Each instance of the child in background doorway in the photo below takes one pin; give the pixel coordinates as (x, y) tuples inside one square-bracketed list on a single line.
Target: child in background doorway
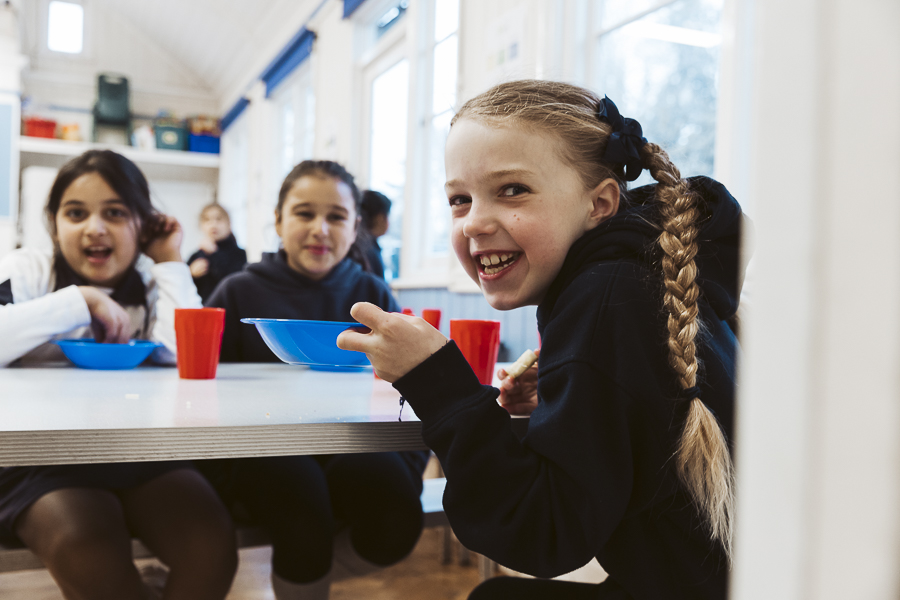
[(116, 274), (371, 501), (219, 255), (627, 453)]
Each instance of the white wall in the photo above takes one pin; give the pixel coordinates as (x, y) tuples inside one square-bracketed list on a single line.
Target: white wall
[(818, 456), (157, 79)]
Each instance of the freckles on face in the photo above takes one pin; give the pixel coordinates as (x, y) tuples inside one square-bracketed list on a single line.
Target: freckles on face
[(96, 231), (517, 208)]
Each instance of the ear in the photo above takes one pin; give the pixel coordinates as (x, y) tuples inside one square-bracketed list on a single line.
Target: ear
[(604, 201), (278, 222)]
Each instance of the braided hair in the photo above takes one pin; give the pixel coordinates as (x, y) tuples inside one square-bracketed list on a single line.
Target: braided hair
[(577, 117)]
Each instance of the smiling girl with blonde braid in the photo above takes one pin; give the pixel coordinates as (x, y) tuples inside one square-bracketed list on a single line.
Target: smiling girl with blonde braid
[(627, 454)]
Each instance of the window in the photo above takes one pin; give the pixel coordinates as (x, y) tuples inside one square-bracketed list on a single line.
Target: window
[(427, 248), (389, 93), (293, 127), (65, 27), (659, 62)]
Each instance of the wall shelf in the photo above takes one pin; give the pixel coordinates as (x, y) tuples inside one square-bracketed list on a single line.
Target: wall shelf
[(163, 164)]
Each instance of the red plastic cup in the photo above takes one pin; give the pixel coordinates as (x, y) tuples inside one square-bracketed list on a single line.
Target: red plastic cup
[(409, 311), (198, 334), (479, 342), (433, 316)]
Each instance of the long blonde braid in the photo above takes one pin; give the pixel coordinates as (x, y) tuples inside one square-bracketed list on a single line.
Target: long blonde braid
[(703, 460), (702, 457)]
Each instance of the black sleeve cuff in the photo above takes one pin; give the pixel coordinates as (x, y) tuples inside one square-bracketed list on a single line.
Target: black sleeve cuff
[(441, 383)]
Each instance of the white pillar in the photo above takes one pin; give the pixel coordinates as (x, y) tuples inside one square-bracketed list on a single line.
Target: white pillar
[(818, 451)]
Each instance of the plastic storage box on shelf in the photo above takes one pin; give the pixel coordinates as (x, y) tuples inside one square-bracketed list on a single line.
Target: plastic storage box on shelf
[(170, 137), (203, 143), (37, 127)]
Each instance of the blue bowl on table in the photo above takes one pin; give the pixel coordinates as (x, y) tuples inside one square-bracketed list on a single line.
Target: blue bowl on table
[(312, 343), (89, 354)]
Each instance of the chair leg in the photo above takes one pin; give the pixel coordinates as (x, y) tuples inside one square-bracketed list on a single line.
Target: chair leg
[(486, 567), (447, 553)]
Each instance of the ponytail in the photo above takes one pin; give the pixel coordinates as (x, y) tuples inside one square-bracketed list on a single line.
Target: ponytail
[(702, 458)]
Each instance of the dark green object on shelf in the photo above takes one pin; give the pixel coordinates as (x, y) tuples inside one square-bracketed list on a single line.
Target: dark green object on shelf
[(113, 106), (171, 137)]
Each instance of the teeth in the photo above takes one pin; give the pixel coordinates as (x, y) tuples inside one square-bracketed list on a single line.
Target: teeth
[(494, 259)]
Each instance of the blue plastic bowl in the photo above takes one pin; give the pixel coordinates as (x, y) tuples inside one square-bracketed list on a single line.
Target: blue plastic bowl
[(312, 343), (88, 354)]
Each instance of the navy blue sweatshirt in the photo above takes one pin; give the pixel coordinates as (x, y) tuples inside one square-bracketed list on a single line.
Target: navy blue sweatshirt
[(227, 259), (593, 475), (270, 289)]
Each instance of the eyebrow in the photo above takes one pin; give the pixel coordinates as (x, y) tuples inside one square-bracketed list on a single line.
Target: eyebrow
[(110, 201), (310, 204), (493, 175)]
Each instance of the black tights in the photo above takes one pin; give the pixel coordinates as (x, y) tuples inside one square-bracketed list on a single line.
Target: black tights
[(303, 500), (83, 536)]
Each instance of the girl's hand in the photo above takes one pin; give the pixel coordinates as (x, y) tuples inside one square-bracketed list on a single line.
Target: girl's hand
[(396, 343), (208, 245), (519, 396), (199, 268), (109, 321), (164, 240)]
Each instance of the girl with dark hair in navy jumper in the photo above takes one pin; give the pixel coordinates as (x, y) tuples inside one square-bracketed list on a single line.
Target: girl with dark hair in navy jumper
[(371, 501)]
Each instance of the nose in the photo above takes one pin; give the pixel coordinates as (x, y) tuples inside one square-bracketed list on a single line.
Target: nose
[(320, 227), (479, 221), (96, 226)]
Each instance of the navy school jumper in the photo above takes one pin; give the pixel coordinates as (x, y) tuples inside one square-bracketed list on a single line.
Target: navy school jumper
[(594, 476)]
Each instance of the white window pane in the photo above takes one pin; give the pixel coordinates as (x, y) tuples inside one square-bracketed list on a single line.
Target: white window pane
[(663, 71), (446, 18), (65, 27), (387, 168), (438, 213), (445, 71)]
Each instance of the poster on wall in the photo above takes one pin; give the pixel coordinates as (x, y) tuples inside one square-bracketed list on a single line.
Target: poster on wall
[(504, 48)]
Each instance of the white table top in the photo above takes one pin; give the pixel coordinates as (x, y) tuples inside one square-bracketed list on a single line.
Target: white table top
[(59, 414)]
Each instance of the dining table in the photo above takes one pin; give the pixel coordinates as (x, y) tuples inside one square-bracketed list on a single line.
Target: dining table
[(60, 414)]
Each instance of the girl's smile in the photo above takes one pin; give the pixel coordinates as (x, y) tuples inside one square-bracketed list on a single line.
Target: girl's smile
[(517, 208)]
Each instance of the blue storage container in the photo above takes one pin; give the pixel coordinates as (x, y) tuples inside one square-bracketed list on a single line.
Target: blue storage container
[(203, 143)]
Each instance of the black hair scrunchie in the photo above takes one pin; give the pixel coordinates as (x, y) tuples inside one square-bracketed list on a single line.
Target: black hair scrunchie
[(625, 142)]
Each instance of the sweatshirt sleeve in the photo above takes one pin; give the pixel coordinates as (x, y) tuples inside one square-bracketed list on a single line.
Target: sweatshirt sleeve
[(26, 325), (545, 504), (223, 297), (175, 289)]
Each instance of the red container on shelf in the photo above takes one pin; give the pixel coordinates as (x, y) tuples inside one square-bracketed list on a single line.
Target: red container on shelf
[(37, 127)]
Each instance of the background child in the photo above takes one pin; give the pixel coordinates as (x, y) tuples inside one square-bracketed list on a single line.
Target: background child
[(304, 500), (219, 255), (79, 519), (375, 211), (623, 459)]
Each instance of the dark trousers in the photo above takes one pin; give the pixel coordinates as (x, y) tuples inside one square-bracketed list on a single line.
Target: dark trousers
[(302, 501)]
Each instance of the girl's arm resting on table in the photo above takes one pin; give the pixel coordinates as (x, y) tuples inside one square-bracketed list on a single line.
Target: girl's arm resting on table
[(26, 325), (543, 505), (175, 290)]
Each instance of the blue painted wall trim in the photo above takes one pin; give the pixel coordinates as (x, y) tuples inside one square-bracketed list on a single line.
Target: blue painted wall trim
[(6, 145), (350, 6), (290, 57), (234, 112)]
